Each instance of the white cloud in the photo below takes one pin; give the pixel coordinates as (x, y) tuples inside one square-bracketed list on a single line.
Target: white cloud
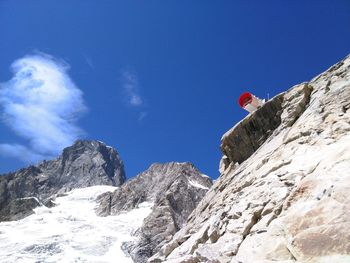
[(142, 115), (89, 61), (40, 104), (131, 88), (133, 98), (20, 152)]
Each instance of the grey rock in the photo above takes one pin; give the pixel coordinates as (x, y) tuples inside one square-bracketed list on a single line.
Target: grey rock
[(20, 208), (281, 112), (283, 192), (83, 164), (174, 188), (240, 142)]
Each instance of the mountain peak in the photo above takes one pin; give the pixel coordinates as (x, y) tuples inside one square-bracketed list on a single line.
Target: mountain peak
[(85, 163), (174, 188), (81, 146), (172, 167)]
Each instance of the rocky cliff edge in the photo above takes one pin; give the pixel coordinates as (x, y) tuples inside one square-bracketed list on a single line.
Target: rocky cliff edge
[(283, 193)]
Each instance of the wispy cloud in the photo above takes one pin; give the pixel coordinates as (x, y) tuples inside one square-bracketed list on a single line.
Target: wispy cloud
[(20, 152), (131, 88), (41, 104), (88, 61), (133, 97), (142, 115)]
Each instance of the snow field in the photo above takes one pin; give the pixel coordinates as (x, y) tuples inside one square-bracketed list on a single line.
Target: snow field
[(71, 231)]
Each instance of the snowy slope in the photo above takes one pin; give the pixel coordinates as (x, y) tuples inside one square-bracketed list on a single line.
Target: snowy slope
[(71, 231), (174, 188)]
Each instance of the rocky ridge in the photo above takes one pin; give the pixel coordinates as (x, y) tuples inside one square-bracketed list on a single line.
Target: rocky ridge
[(86, 163), (283, 191), (174, 188)]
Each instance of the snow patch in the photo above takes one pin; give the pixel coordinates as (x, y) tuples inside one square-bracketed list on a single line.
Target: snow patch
[(197, 185), (204, 175), (107, 146), (71, 231), (28, 198)]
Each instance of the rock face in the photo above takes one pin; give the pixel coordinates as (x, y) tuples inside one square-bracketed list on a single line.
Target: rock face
[(86, 163), (283, 193), (174, 188)]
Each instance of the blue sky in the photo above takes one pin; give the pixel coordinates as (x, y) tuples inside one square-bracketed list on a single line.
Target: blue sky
[(157, 80)]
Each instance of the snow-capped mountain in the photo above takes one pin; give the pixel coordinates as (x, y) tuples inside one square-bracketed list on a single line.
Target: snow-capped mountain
[(70, 210), (86, 163)]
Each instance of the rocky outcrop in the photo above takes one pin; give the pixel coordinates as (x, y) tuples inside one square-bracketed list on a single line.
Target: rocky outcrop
[(174, 188), (86, 163), (283, 193), (249, 134), (240, 142)]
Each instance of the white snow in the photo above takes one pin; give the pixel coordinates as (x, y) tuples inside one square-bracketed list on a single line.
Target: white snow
[(30, 197), (197, 185), (110, 147), (71, 231), (204, 175)]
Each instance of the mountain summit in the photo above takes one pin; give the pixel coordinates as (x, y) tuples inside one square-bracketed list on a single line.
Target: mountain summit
[(85, 163)]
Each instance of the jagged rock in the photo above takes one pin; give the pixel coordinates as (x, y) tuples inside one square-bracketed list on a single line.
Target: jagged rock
[(83, 164), (249, 134), (283, 193), (174, 188), (20, 208)]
